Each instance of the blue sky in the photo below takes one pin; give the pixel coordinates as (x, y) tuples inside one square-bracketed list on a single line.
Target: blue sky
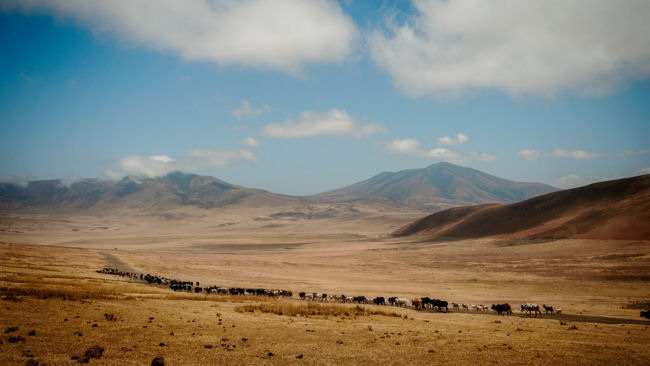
[(302, 97)]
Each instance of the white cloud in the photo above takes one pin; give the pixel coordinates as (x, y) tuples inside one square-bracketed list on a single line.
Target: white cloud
[(250, 142), (574, 180), (402, 146), (561, 153), (577, 154), (529, 154), (246, 110), (412, 147), (21, 180), (644, 170), (193, 161), (538, 46), (459, 139), (336, 122), (278, 34)]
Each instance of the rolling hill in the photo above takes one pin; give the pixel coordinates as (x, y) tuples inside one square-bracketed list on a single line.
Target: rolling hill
[(436, 187), (617, 209)]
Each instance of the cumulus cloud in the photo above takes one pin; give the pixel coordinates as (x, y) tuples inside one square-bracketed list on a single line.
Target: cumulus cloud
[(278, 34), (412, 147), (459, 139), (574, 180), (193, 161), (644, 170), (250, 142), (540, 46), (336, 122), (21, 180), (529, 154), (246, 110)]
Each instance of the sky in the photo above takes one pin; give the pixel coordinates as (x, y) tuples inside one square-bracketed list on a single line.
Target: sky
[(304, 96)]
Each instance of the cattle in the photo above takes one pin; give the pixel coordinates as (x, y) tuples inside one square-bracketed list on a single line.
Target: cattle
[(417, 303), (392, 301), (379, 301), (502, 308), (198, 289), (403, 302), (464, 307), (339, 298), (360, 299), (428, 303), (548, 309), (455, 306), (302, 295), (645, 314), (530, 309)]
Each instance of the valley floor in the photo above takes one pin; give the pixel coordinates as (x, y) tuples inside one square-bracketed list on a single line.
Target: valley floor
[(56, 292)]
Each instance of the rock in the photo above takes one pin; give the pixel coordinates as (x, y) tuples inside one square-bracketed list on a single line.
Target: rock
[(31, 333), (299, 356), (11, 330), (339, 342), (158, 361), (110, 317), (161, 344), (31, 362), (94, 352), (27, 353), (16, 339), (208, 346), (94, 325), (270, 354)]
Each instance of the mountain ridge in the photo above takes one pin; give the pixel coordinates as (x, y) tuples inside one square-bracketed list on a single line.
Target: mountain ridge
[(615, 209)]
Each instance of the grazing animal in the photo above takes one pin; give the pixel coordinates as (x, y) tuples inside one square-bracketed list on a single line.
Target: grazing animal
[(360, 299), (403, 302), (302, 295), (464, 307), (530, 309), (392, 301), (558, 311), (455, 306), (417, 303), (645, 314), (379, 300), (548, 309), (502, 308)]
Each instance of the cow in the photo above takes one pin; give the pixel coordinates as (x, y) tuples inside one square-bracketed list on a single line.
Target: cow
[(464, 307), (417, 303), (379, 301), (530, 309), (548, 309), (403, 302), (502, 308), (645, 314), (392, 301), (360, 299), (302, 295), (455, 306)]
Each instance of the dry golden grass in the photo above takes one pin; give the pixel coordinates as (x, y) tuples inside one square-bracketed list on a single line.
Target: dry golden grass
[(312, 309)]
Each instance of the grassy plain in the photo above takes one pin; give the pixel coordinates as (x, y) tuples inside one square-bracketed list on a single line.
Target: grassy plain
[(49, 269)]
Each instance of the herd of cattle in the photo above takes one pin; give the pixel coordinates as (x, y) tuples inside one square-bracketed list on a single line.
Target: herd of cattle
[(424, 303)]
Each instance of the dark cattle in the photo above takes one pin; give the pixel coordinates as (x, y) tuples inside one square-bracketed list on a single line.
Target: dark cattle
[(379, 301), (645, 314), (302, 295), (360, 299), (548, 309), (392, 300), (198, 289), (502, 308)]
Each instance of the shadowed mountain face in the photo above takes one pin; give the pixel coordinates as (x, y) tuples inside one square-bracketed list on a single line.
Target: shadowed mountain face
[(439, 186), (174, 189), (617, 209)]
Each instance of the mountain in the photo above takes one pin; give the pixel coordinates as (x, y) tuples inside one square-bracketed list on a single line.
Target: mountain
[(617, 209), (436, 187), (172, 190)]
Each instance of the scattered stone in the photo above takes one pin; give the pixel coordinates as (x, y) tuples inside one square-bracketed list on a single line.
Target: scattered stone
[(94, 325), (339, 342), (208, 346), (11, 298), (27, 353), (16, 339), (270, 354), (31, 333), (397, 343), (31, 362), (110, 317), (244, 339), (171, 333), (92, 352), (78, 333), (126, 349), (158, 361), (11, 330), (573, 327), (299, 356), (431, 351), (161, 344)]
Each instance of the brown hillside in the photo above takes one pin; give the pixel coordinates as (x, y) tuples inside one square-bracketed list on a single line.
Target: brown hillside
[(617, 209)]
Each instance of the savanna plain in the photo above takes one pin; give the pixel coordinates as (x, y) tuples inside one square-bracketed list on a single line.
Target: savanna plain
[(54, 305)]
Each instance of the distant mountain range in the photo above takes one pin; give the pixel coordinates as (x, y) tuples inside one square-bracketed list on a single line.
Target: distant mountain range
[(617, 209), (436, 187), (431, 189)]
